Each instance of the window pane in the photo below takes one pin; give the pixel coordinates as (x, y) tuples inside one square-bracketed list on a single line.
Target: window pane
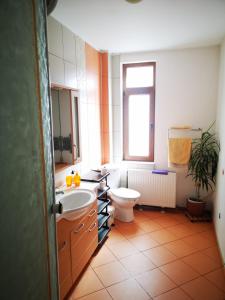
[(139, 77), (138, 124)]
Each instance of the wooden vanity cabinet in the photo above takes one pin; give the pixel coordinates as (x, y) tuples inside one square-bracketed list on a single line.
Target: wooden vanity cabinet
[(77, 240)]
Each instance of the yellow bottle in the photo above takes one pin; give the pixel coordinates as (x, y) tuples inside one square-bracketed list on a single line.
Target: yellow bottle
[(77, 179), (68, 180)]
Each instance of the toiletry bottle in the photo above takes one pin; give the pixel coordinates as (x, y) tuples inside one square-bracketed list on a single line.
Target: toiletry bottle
[(77, 179), (72, 174), (68, 180)]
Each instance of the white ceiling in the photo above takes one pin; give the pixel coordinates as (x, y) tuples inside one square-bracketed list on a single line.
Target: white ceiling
[(118, 27)]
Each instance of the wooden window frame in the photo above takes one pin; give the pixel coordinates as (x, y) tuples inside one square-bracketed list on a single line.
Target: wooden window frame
[(138, 91)]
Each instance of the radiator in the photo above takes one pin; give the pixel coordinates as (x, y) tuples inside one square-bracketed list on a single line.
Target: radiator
[(155, 189)]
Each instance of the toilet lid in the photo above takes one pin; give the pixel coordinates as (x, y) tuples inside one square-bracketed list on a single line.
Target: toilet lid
[(125, 193)]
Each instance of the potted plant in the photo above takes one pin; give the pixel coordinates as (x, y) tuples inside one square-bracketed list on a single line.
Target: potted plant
[(202, 168)]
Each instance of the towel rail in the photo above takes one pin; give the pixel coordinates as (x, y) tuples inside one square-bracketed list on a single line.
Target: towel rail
[(187, 131)]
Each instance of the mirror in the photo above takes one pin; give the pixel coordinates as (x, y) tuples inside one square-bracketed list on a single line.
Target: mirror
[(66, 131)]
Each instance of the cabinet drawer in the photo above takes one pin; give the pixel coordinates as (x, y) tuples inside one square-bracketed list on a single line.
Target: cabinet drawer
[(80, 228), (84, 260), (64, 287), (64, 259), (92, 216), (79, 250)]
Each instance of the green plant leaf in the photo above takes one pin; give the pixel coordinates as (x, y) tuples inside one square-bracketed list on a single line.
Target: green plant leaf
[(203, 162)]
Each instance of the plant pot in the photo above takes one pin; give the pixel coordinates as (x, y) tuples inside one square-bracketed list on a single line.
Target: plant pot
[(195, 207)]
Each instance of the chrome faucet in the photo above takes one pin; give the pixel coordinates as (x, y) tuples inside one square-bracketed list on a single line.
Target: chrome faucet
[(59, 192)]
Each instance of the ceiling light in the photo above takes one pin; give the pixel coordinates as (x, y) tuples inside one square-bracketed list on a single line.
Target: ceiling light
[(133, 1)]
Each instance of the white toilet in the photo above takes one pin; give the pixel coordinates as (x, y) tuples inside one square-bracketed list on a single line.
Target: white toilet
[(123, 199)]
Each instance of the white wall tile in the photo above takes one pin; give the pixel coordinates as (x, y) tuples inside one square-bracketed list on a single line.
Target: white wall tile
[(117, 126), (80, 59), (117, 144), (81, 85), (116, 92), (70, 75), (69, 50), (56, 67), (55, 41), (116, 66)]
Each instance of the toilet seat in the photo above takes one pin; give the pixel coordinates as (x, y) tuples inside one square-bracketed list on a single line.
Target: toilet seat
[(125, 194)]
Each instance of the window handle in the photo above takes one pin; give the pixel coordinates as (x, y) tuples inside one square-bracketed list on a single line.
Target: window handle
[(151, 125)]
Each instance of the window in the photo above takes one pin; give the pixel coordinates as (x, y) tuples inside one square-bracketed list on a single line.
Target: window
[(138, 111)]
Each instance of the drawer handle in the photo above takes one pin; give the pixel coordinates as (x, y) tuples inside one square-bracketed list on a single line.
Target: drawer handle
[(92, 227), (92, 213), (79, 228), (64, 244)]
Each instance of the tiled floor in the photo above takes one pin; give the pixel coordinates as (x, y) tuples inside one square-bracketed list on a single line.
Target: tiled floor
[(158, 256)]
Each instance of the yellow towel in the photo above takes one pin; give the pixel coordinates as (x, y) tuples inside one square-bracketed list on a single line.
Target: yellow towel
[(179, 150), (181, 127)]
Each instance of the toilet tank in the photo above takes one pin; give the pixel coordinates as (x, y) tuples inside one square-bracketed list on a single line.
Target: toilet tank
[(113, 180)]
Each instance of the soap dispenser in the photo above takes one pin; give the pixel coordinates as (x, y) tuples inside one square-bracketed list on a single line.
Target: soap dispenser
[(77, 179), (72, 174)]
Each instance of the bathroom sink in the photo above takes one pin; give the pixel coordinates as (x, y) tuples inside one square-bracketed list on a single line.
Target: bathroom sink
[(75, 204)]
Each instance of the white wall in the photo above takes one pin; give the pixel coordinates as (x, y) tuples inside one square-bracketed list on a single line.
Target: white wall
[(67, 62), (219, 201), (186, 93)]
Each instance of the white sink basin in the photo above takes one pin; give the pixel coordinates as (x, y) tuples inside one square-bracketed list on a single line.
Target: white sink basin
[(75, 204)]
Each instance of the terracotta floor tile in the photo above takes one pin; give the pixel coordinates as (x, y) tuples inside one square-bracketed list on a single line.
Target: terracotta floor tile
[(175, 251), (218, 278), (143, 242), (199, 227), (89, 283), (167, 221), (162, 236), (202, 289), (155, 282), (128, 289), (122, 249), (160, 255), (114, 237), (213, 252), (139, 217), (179, 272), (118, 222), (175, 294), (111, 273), (201, 263), (130, 230), (180, 248), (153, 214), (210, 235), (180, 216), (149, 226), (137, 263), (180, 230), (100, 295), (197, 241), (103, 256)]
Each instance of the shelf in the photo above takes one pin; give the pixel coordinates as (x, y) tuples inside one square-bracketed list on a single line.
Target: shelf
[(102, 205), (102, 192), (94, 176), (102, 233), (102, 219)]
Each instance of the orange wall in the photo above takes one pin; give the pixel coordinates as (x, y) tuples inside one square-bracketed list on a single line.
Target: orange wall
[(104, 105), (97, 93), (92, 74)]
